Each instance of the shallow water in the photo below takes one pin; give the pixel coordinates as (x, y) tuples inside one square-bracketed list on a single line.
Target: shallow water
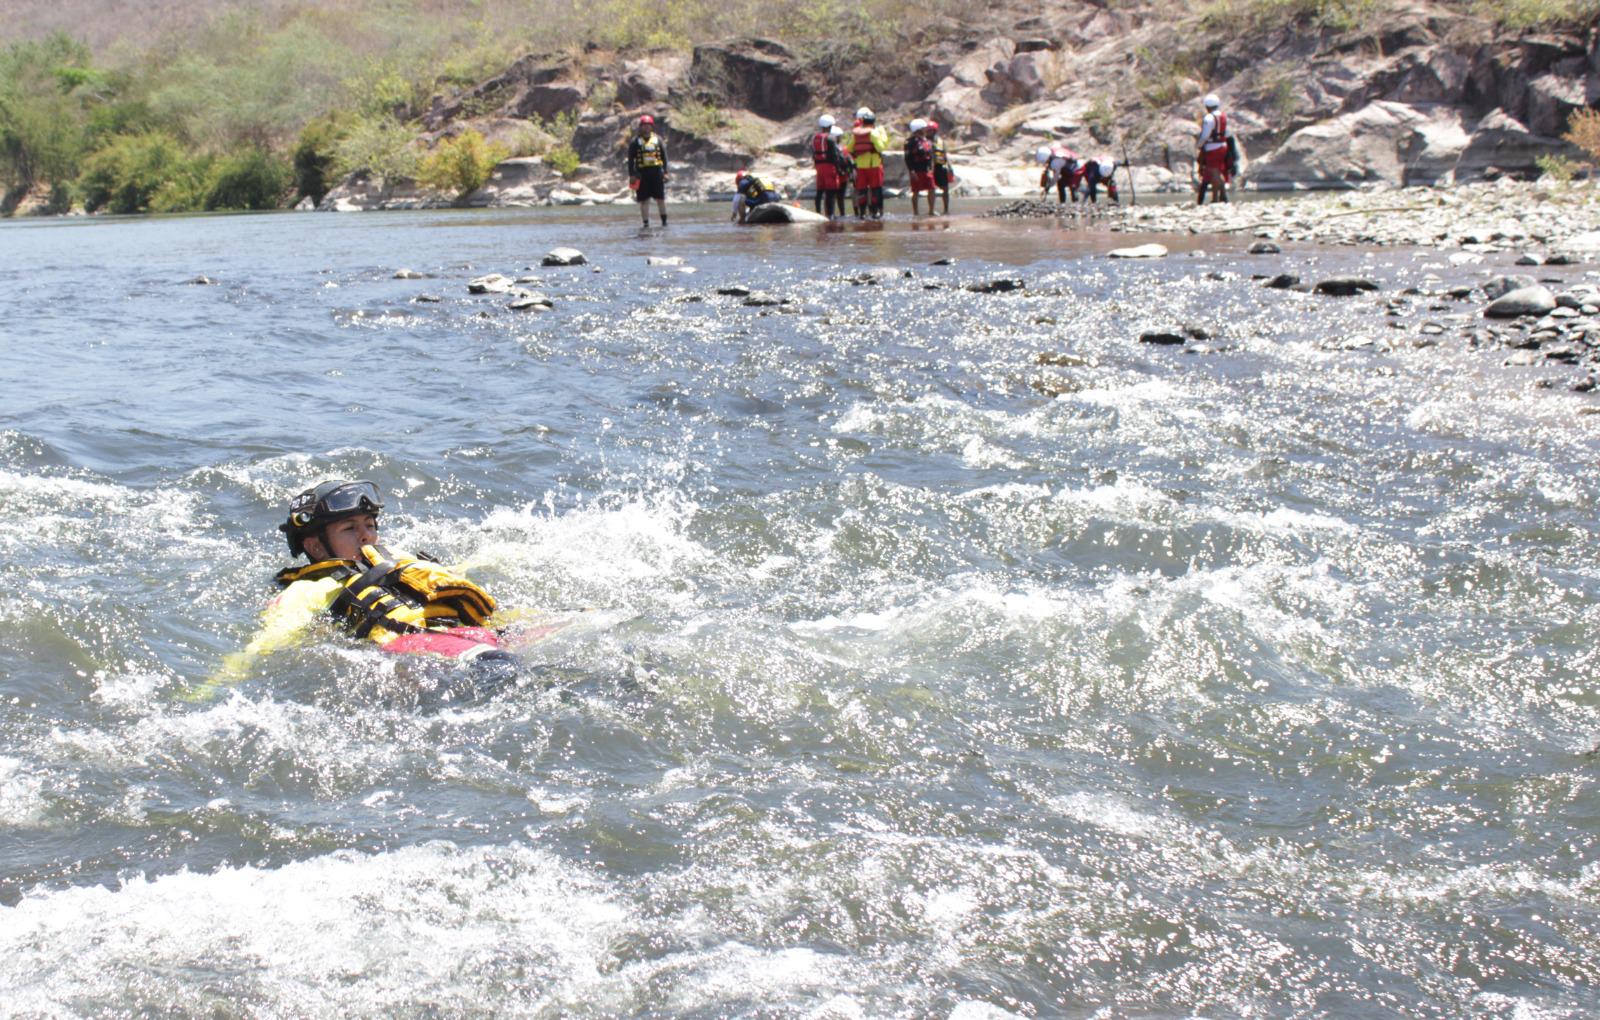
[(987, 662)]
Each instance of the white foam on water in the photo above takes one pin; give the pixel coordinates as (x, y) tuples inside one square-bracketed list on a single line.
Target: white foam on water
[(641, 543), (22, 800), (1011, 490), (972, 1009), (1136, 395), (876, 622), (1479, 883), (340, 935), (1127, 499), (979, 453), (1114, 813), (1283, 520)]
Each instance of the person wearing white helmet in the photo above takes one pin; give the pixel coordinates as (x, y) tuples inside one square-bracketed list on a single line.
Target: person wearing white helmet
[(919, 163), (1097, 172), (1062, 171), (825, 159), (1211, 152), (868, 143)]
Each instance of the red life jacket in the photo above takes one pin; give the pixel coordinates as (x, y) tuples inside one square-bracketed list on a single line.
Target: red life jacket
[(819, 149), (1219, 133)]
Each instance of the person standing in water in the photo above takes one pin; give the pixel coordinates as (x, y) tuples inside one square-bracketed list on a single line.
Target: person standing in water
[(919, 164), (825, 159), (943, 175), (647, 169), (868, 143), (1211, 152)]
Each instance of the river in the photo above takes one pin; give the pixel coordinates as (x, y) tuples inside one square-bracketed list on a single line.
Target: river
[(983, 661)]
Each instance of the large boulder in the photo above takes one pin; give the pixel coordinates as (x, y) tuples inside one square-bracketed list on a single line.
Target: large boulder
[(782, 212), (757, 74), (650, 80), (524, 181), (1500, 141), (1383, 142)]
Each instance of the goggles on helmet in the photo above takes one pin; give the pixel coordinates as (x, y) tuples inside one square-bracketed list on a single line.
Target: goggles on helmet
[(350, 498)]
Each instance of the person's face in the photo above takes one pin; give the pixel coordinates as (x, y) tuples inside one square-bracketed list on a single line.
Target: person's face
[(345, 537)]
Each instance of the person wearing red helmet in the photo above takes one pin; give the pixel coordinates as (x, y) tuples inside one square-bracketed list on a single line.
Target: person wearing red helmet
[(647, 169), (919, 163), (943, 175)]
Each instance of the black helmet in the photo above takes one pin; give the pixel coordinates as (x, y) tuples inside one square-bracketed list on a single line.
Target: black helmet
[(315, 509)]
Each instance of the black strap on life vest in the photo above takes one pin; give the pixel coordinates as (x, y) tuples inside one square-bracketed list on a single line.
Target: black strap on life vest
[(367, 603)]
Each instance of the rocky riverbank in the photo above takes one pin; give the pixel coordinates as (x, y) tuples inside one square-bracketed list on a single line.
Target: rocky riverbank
[(1540, 221)]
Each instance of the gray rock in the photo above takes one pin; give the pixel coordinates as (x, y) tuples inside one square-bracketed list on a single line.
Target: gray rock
[(527, 299), (494, 283), (1529, 259), (999, 285), (1160, 336), (760, 299), (409, 274), (563, 257), (426, 299), (1561, 258), (201, 281), (1264, 248), (1501, 285), (736, 290), (1521, 358), (1344, 286), (1283, 281), (1535, 300), (663, 260)]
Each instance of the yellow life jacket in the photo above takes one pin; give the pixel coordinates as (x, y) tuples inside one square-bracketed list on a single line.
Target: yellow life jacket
[(650, 155), (396, 594), (940, 156), (866, 145)]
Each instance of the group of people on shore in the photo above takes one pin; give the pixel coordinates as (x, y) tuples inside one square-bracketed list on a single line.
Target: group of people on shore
[(853, 160), (849, 165)]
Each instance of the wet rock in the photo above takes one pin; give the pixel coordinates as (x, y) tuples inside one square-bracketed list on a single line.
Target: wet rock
[(1460, 293), (1163, 337), (530, 300), (1061, 359), (663, 260), (1264, 248), (999, 285), (1560, 258), (1283, 281), (563, 257), (201, 281), (1499, 286), (1196, 332), (1523, 358), (1535, 300), (946, 261), (1344, 286), (409, 274), (1141, 251), (1529, 259), (426, 299), (760, 299), (882, 274), (494, 283), (736, 290)]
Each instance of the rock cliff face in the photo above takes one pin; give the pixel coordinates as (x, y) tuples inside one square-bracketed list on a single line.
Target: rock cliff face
[(1425, 96)]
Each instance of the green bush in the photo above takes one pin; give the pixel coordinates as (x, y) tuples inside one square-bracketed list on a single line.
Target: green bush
[(380, 146), (315, 153), (128, 174), (46, 92), (563, 159), (252, 179), (460, 164)]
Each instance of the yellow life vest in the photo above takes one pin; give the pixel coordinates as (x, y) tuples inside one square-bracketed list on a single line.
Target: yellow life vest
[(867, 145), (396, 594), (650, 155)]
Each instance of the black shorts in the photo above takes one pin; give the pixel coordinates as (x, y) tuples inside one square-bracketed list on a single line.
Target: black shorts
[(652, 184), (941, 177)]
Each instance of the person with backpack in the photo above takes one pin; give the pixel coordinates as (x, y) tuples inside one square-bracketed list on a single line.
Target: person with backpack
[(919, 164), (1212, 153)]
